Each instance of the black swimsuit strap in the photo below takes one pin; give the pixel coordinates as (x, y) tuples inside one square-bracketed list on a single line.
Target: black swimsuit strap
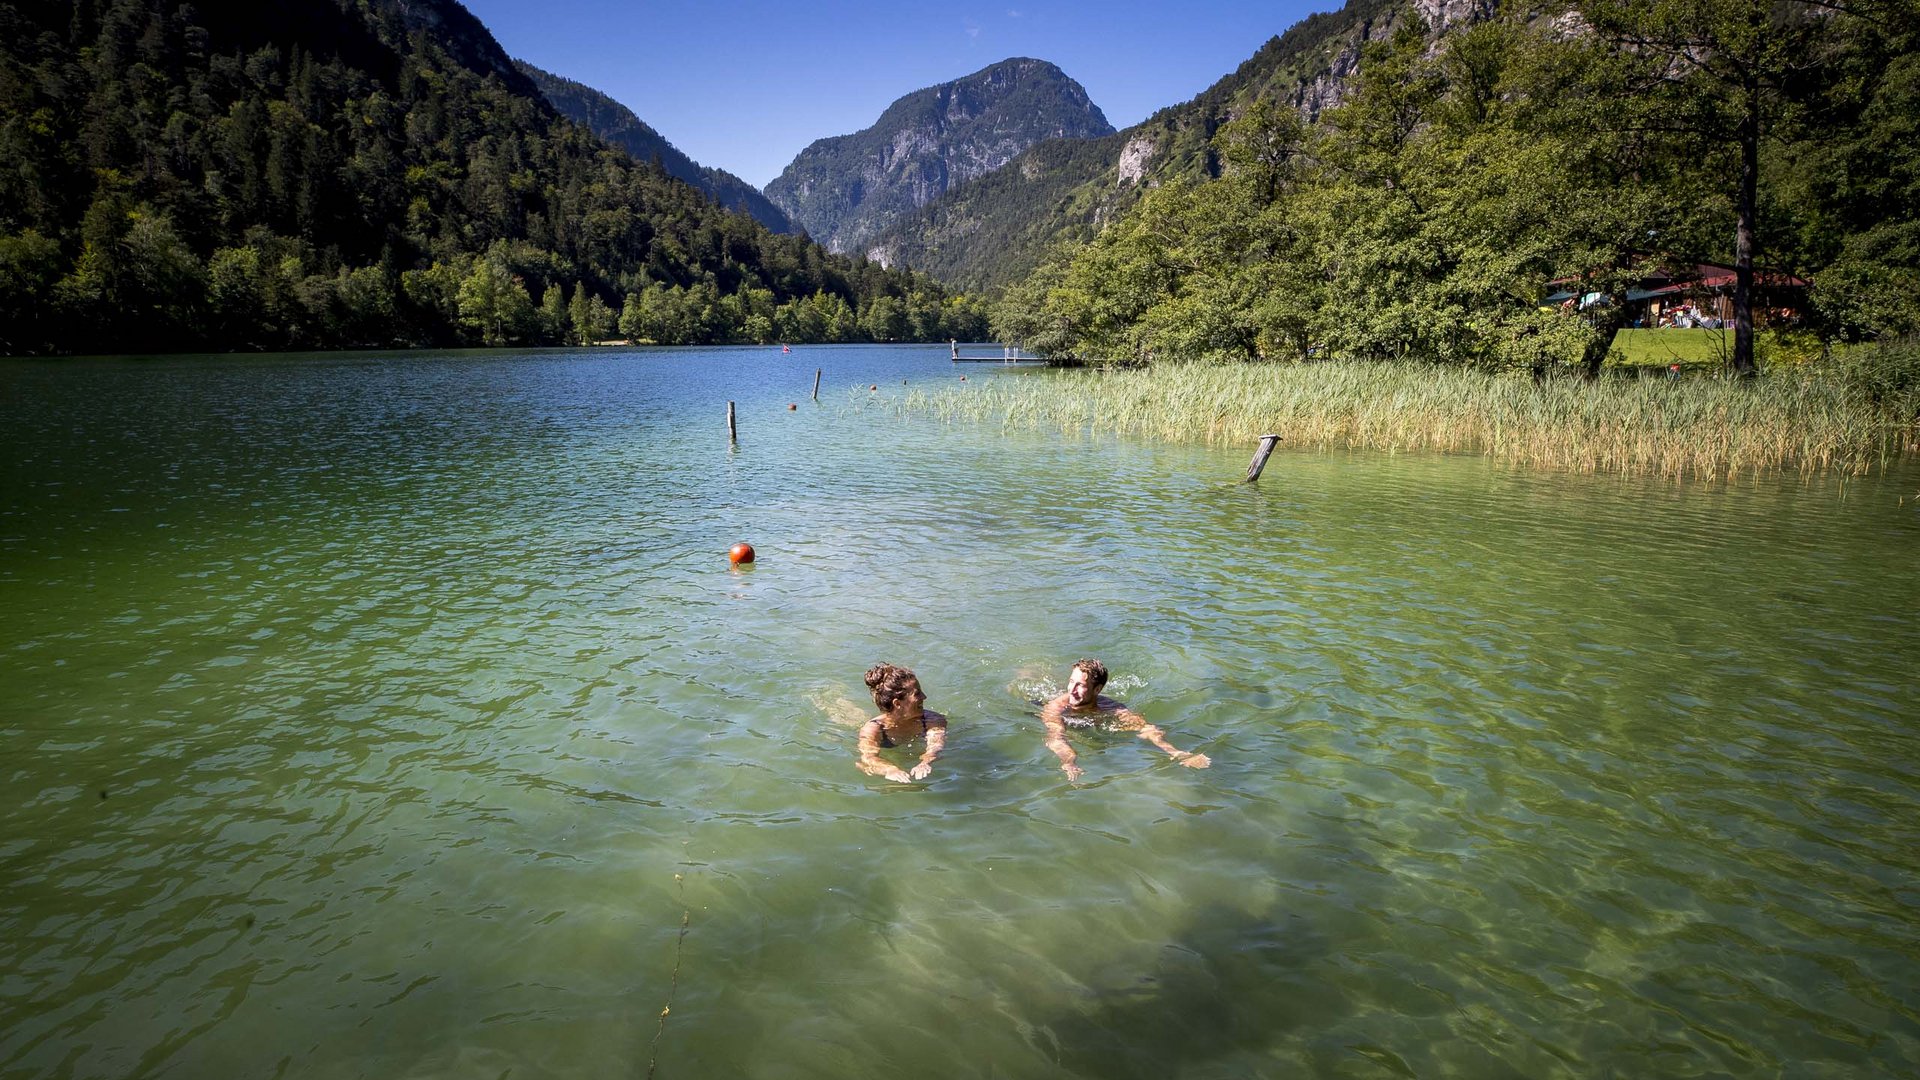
[(886, 740)]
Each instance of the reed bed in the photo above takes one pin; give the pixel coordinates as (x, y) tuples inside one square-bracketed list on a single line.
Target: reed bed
[(1814, 420)]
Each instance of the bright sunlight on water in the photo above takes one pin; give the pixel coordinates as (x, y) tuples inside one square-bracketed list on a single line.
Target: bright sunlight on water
[(401, 716)]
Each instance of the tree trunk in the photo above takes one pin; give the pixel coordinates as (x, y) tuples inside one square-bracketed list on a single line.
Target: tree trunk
[(1607, 326), (1743, 231)]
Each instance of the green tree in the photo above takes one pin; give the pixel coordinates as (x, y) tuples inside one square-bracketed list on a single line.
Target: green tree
[(369, 310), (30, 265), (883, 319), (237, 295), (1728, 71), (556, 324), (432, 301), (592, 319), (631, 319), (493, 303)]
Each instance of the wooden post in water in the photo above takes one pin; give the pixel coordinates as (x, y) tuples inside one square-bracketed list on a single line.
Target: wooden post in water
[(733, 436), (1267, 443), (816, 384)]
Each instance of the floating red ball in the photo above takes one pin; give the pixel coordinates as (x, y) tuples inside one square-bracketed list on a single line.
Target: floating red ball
[(741, 553)]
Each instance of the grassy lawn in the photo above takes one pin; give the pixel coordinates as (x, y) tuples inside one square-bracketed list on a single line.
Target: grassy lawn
[(1695, 349), (1658, 348)]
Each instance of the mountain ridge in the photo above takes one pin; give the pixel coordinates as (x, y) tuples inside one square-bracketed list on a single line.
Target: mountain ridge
[(619, 125), (995, 229), (845, 188)]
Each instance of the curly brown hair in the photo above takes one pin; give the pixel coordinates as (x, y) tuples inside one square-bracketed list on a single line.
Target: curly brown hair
[(1096, 672), (889, 683)]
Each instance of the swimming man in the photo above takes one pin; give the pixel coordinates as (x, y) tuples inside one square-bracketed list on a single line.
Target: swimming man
[(1082, 706)]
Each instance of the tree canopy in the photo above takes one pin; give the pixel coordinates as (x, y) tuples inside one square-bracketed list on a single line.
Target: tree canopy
[(322, 173), (1456, 185)]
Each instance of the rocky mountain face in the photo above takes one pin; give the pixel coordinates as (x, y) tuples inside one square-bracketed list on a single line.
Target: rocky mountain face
[(617, 124), (845, 189), (994, 230)]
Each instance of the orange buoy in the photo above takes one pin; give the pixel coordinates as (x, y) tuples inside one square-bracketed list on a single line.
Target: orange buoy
[(741, 553)]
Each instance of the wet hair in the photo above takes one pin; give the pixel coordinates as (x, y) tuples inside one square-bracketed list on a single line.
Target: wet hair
[(889, 684), (1096, 672)]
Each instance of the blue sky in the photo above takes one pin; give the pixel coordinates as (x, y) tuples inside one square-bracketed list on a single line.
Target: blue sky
[(745, 86)]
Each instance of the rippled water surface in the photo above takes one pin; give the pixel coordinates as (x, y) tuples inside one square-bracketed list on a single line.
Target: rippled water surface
[(401, 716)]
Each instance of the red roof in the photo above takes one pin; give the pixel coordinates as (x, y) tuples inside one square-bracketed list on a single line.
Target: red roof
[(1722, 278), (1704, 276)]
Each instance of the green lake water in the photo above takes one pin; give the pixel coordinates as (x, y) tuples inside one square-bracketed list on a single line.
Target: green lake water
[(401, 716)]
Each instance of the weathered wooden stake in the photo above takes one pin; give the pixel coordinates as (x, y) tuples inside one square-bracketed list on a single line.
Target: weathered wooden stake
[(1267, 443), (733, 436), (816, 384)]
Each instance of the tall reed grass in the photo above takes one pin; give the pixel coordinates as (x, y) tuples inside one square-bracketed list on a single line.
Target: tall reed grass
[(1810, 420)]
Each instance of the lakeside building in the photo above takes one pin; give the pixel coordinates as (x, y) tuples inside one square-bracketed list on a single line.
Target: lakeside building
[(1699, 295)]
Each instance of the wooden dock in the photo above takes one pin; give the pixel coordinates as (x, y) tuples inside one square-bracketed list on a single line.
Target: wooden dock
[(1008, 355)]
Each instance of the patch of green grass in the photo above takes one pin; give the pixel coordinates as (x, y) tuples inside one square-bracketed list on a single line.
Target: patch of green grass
[(1694, 348), (1810, 418)]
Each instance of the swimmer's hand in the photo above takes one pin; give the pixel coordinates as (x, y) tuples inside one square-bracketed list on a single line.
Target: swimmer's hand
[(921, 771), (1191, 760), (1073, 771), (898, 776)]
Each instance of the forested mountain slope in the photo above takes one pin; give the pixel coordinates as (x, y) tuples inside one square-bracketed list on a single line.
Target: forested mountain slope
[(618, 125), (314, 173), (845, 189)]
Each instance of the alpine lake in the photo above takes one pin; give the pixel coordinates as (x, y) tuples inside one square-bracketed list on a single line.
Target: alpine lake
[(401, 715)]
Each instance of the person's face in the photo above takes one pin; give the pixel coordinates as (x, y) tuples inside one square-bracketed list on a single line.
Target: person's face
[(1080, 689), (912, 703)]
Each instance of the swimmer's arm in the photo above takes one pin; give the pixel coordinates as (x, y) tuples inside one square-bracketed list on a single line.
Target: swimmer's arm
[(871, 762), (936, 742), (1057, 737), (1125, 719)]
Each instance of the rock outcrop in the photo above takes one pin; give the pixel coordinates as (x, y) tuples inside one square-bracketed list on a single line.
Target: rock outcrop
[(989, 232), (847, 189)]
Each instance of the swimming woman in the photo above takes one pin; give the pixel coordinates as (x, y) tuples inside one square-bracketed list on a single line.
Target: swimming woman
[(903, 718)]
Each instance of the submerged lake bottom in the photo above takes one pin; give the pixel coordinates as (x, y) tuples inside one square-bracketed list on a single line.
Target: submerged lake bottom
[(402, 715)]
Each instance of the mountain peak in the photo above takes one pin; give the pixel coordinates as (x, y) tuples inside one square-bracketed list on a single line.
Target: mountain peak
[(846, 189)]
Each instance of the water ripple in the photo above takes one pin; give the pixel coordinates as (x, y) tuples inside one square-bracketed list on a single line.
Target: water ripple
[(386, 716)]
